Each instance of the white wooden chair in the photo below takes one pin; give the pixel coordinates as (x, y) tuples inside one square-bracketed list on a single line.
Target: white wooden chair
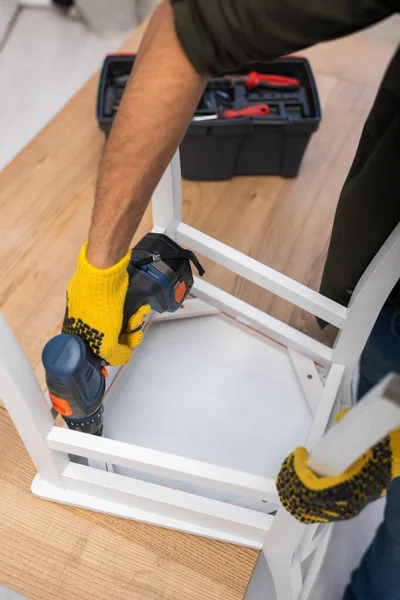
[(196, 427)]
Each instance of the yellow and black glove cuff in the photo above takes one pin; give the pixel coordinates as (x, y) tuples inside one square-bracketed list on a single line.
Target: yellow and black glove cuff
[(313, 499)]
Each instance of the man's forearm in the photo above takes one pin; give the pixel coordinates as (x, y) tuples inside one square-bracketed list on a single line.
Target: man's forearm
[(157, 106)]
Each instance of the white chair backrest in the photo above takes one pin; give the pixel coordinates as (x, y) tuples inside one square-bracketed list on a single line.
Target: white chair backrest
[(367, 300), (355, 322)]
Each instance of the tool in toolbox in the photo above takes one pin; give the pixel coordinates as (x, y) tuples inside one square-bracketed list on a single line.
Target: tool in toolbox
[(115, 92), (160, 275), (254, 79), (215, 148), (254, 110)]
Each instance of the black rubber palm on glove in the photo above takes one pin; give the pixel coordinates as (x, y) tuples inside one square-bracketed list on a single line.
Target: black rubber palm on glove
[(314, 499)]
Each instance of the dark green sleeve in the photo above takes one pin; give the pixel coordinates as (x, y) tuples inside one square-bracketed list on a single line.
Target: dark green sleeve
[(221, 35)]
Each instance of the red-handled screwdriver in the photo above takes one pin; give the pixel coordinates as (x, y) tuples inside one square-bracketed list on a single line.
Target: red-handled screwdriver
[(255, 110), (255, 79)]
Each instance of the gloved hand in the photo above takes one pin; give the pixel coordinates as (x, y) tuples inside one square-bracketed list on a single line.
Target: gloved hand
[(313, 499), (95, 302)]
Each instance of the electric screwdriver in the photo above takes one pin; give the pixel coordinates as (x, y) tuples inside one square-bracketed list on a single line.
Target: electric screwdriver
[(160, 275)]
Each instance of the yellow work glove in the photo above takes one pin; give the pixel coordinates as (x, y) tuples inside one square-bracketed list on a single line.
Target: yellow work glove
[(314, 499), (95, 303)]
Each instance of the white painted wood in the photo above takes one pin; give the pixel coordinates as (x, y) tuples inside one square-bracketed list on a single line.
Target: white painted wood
[(260, 321), (362, 427), (96, 502), (326, 404), (264, 276), (286, 545), (191, 308), (288, 540), (339, 448), (320, 547), (161, 463), (308, 377), (170, 503), (311, 539), (280, 551), (305, 542), (258, 505), (367, 301), (284, 571), (166, 202), (27, 407), (224, 399), (157, 229)]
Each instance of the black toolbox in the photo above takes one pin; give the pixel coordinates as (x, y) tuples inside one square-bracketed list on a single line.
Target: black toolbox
[(218, 148)]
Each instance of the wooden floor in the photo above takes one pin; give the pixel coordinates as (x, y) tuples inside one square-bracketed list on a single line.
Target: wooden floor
[(49, 551)]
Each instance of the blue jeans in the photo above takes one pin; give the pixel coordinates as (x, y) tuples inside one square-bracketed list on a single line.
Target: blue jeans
[(378, 576)]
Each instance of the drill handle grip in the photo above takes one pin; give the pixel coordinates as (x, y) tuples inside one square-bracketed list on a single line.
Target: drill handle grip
[(135, 298)]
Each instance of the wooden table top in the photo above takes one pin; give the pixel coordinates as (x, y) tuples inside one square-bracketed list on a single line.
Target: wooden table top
[(46, 194)]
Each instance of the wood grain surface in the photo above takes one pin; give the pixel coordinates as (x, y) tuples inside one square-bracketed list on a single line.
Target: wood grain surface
[(49, 551)]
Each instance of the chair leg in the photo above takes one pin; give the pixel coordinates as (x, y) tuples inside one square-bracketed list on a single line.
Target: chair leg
[(27, 407), (166, 202), (278, 565), (316, 563), (286, 575), (285, 579)]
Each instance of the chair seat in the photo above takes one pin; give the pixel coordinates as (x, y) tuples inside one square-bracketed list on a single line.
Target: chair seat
[(210, 389)]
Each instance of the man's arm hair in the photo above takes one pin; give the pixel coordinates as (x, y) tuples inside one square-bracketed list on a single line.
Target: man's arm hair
[(156, 108)]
